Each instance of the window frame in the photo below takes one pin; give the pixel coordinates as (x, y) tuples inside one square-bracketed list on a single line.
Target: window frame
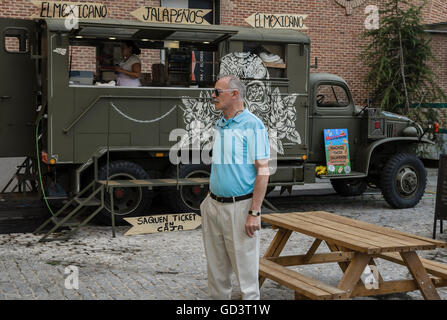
[(333, 83), (284, 57), (27, 32)]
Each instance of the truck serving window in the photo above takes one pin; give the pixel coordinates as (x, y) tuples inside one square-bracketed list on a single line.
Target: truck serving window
[(272, 55), (16, 40), (164, 63), (331, 96)]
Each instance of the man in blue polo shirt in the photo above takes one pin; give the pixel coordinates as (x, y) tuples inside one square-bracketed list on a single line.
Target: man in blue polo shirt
[(231, 212)]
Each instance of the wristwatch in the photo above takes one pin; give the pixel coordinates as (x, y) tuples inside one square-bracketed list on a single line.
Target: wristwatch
[(254, 213)]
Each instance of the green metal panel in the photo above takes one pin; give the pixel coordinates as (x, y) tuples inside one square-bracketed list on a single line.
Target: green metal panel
[(18, 92), (60, 99)]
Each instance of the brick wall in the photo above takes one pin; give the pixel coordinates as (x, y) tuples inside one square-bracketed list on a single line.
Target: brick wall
[(335, 36), (12, 44), (437, 11), (84, 58)]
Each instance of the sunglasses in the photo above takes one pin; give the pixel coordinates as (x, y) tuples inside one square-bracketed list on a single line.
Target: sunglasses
[(219, 91)]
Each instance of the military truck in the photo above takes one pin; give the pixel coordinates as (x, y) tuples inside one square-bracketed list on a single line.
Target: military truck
[(80, 128)]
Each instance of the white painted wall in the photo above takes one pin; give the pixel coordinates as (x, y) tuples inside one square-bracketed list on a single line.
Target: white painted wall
[(7, 169)]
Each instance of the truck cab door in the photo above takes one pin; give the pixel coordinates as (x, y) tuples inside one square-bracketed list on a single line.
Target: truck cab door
[(332, 108), (18, 89)]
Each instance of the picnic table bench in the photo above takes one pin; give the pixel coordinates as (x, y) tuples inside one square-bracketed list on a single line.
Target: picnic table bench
[(353, 245)]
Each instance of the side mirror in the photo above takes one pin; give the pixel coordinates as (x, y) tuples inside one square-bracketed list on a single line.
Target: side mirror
[(315, 66)]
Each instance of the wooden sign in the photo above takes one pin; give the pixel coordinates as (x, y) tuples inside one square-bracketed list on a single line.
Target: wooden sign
[(163, 223), (64, 10), (338, 155), (441, 191), (337, 151), (277, 21), (172, 15)]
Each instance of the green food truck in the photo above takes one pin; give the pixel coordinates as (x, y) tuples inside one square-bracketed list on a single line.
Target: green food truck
[(78, 127)]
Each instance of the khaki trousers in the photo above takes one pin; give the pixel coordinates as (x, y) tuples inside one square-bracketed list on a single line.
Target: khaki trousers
[(228, 248)]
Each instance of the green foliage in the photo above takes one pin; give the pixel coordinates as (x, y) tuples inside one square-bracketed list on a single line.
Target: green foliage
[(400, 38)]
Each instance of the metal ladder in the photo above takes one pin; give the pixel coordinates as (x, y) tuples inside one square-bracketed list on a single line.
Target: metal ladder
[(79, 203)]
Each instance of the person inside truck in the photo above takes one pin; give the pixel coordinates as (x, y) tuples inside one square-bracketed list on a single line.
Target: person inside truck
[(129, 69)]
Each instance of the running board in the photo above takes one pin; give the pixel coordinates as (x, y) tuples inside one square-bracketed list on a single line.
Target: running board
[(352, 175)]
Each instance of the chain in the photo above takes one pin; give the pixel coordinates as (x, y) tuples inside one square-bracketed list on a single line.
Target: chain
[(142, 121)]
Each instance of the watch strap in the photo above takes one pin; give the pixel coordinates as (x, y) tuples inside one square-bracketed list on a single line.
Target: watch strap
[(254, 213)]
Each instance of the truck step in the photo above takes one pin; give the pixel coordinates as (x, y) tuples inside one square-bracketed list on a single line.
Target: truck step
[(71, 223), (91, 203)]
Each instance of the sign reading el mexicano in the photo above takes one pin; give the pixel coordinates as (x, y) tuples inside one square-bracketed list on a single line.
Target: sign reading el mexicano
[(63, 10), (163, 223), (277, 21), (172, 15)]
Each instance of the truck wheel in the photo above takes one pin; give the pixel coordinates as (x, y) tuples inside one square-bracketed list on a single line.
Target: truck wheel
[(127, 202), (188, 198), (349, 187), (403, 180)]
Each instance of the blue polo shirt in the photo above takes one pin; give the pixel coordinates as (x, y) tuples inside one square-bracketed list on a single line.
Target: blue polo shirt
[(238, 142)]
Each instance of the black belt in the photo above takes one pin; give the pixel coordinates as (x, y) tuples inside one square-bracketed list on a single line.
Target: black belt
[(230, 199)]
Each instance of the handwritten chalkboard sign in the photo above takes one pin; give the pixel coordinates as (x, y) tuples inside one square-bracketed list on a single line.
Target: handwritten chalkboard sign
[(441, 193)]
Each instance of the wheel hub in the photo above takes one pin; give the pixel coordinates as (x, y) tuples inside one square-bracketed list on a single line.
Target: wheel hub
[(407, 181), (119, 193), (125, 200), (193, 196), (196, 190)]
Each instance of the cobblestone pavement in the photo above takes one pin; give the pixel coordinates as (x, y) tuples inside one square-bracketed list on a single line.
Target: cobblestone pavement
[(173, 265)]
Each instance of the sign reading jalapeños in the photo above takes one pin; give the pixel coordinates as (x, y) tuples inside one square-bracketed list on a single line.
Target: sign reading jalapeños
[(172, 15), (337, 151)]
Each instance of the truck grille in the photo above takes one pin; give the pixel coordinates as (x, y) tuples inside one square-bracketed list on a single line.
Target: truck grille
[(390, 130)]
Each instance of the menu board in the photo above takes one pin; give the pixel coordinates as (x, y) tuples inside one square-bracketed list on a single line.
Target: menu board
[(441, 191), (336, 143)]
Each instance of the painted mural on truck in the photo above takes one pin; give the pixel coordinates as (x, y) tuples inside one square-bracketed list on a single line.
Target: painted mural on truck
[(276, 110)]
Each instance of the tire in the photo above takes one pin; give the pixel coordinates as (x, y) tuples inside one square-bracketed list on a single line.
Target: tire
[(403, 181), (128, 202), (187, 198), (349, 187)]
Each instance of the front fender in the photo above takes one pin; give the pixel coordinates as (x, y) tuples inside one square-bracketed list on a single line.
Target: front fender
[(364, 156)]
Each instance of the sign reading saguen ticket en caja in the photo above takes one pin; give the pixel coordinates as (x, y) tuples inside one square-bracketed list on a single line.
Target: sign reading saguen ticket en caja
[(163, 223), (337, 151)]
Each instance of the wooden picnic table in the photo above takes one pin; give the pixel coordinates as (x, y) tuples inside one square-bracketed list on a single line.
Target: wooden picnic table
[(353, 245)]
